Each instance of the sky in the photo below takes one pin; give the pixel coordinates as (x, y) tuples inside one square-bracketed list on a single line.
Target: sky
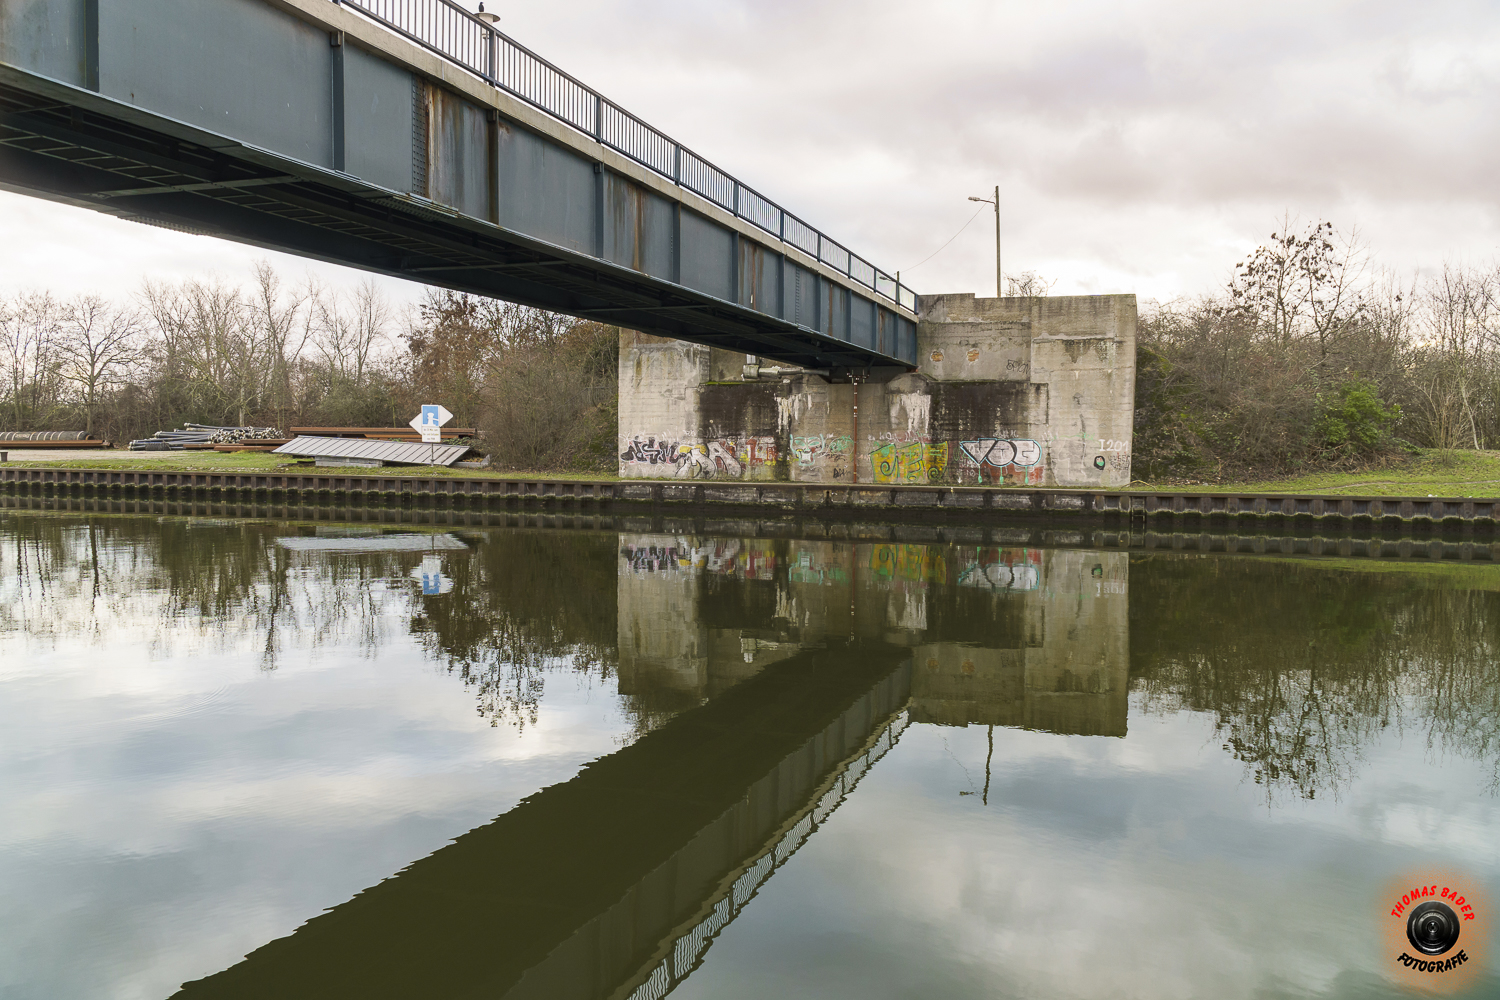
[(1138, 146)]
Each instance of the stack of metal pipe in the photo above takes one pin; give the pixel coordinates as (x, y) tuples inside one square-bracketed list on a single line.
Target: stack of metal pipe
[(201, 434)]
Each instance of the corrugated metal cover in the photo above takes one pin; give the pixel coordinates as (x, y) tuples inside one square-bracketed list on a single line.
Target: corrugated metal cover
[(401, 452)]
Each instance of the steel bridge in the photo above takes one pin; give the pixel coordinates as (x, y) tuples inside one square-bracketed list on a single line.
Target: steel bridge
[(412, 138)]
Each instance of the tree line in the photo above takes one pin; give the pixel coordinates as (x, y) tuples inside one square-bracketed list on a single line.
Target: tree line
[(1312, 357), (269, 353), (1309, 357)]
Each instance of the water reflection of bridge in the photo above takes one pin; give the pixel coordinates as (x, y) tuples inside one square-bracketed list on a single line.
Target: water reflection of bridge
[(783, 668)]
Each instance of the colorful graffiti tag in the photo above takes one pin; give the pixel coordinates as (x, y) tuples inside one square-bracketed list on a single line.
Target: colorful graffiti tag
[(807, 449), (998, 453), (725, 458), (997, 460), (821, 456), (917, 462), (650, 451)]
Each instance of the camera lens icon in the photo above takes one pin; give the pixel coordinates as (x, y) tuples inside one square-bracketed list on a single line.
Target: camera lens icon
[(1432, 928)]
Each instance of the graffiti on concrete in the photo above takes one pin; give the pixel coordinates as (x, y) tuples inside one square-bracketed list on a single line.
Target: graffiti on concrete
[(808, 449), (998, 452), (725, 458), (650, 451), (822, 456), (707, 461), (917, 462), (757, 451), (1004, 460)]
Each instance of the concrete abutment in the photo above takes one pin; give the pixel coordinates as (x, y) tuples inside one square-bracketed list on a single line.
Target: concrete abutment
[(1019, 391)]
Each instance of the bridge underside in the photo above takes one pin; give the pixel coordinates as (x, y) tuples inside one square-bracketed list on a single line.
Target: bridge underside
[(463, 198)]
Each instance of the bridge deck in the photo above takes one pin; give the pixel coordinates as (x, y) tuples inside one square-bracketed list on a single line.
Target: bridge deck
[(305, 127)]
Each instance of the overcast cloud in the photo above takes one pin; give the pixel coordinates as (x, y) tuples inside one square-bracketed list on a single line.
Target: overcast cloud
[(1140, 146)]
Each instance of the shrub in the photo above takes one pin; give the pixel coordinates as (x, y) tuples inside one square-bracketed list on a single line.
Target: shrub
[(1354, 420)]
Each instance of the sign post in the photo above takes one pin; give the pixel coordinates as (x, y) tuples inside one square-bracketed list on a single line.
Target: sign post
[(430, 423)]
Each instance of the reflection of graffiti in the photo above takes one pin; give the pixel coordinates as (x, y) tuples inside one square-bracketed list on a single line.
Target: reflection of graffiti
[(917, 563), (656, 558), (998, 453), (807, 570), (917, 462), (1003, 569), (747, 560)]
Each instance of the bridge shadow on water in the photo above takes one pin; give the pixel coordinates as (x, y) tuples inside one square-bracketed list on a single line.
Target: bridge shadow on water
[(599, 884)]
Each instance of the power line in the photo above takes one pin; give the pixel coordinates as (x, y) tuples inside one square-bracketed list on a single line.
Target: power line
[(940, 249)]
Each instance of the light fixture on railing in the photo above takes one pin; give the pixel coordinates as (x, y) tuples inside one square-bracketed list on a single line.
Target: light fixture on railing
[(483, 15)]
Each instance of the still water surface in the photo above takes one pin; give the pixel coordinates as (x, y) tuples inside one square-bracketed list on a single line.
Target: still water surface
[(567, 764)]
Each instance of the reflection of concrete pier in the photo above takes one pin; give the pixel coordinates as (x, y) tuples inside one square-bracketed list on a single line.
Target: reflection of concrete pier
[(1069, 672), (1029, 637), (617, 879)]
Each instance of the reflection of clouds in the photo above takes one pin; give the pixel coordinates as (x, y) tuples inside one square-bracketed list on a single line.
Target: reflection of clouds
[(166, 844), (1142, 868), (170, 805)]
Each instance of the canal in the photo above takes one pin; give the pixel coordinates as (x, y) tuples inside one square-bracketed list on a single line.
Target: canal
[(248, 758)]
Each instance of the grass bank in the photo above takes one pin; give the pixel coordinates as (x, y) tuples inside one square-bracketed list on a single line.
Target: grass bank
[(1429, 473)]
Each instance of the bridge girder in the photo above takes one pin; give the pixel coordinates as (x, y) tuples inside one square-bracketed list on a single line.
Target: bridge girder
[(68, 143)]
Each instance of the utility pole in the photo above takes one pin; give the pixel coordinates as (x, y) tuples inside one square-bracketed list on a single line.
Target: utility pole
[(999, 276)]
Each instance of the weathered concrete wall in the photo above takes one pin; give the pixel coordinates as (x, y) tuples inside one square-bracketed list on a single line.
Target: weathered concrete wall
[(1015, 391)]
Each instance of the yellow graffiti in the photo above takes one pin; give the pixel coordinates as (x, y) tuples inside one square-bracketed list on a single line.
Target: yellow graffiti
[(918, 563), (916, 462)]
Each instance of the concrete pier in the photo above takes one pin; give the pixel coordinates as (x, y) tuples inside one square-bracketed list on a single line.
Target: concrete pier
[(1020, 391)]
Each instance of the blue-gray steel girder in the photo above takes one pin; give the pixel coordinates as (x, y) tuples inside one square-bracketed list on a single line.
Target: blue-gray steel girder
[(402, 177)]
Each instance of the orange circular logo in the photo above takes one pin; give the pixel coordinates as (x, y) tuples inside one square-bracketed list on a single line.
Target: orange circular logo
[(1435, 930)]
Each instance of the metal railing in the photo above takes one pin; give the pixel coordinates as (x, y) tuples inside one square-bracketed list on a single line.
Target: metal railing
[(445, 28)]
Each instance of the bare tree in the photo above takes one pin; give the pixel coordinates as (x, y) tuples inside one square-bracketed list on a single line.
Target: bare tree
[(348, 337), (97, 348), (30, 328), (282, 327), (1308, 285)]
